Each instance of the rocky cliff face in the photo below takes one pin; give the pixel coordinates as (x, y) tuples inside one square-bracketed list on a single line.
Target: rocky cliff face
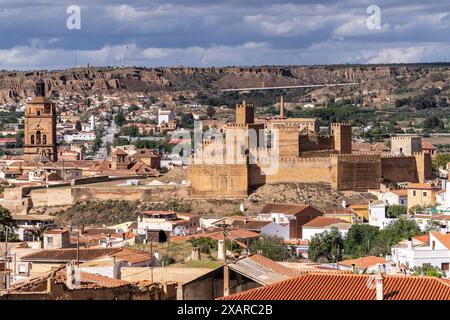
[(15, 86)]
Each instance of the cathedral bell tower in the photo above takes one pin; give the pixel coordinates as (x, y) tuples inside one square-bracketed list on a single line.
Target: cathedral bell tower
[(40, 127)]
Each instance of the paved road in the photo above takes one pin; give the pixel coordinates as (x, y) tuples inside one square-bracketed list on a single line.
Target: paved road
[(107, 137)]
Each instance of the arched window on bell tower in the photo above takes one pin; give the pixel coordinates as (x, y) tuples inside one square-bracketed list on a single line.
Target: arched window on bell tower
[(32, 139), (44, 139), (38, 137)]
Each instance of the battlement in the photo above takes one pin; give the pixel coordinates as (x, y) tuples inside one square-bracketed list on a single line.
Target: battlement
[(315, 135), (244, 105), (393, 156), (236, 125), (292, 126), (405, 137), (356, 156), (340, 124)]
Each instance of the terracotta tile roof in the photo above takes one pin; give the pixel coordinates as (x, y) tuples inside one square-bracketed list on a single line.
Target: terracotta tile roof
[(364, 262), (254, 225), (56, 231), (275, 266), (428, 146), (289, 209), (400, 192), (70, 254), (442, 238), (234, 234), (132, 256), (322, 222), (315, 286), (100, 280), (423, 238)]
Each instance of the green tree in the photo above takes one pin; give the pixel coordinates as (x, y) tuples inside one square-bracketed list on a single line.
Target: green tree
[(428, 270), (131, 131), (78, 125), (394, 233), (360, 239), (271, 247), (6, 222), (187, 120), (440, 160), (210, 111), (19, 139), (433, 123), (326, 246), (119, 119), (432, 225), (395, 211)]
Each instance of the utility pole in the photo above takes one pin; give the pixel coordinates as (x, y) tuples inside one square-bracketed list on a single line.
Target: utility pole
[(6, 258), (78, 248), (151, 259)]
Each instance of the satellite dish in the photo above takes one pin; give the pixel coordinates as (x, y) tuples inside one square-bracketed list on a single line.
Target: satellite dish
[(344, 204), (242, 208)]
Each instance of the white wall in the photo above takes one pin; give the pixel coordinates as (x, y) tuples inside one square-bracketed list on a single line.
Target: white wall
[(276, 229)]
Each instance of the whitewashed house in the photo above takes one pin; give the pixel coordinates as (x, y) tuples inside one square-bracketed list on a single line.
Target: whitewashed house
[(377, 215), (435, 253), (321, 224)]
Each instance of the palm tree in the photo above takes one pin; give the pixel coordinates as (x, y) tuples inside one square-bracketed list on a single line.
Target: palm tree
[(38, 233)]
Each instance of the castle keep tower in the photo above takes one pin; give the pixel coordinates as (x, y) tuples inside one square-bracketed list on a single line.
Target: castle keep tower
[(342, 133), (40, 127), (245, 113)]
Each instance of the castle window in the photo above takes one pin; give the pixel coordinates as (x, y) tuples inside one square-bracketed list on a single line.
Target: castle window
[(38, 137), (44, 139), (38, 113), (32, 139)]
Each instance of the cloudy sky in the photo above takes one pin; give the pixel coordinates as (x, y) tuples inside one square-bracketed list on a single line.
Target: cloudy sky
[(34, 34)]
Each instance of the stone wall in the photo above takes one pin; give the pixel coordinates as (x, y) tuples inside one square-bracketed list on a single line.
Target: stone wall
[(51, 197), (357, 172), (219, 180), (69, 195), (314, 142), (293, 170), (399, 169)]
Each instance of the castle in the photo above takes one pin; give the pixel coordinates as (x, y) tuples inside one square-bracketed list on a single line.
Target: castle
[(301, 154)]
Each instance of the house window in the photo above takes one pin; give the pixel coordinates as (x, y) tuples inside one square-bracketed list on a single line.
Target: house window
[(22, 269), (49, 241), (424, 193), (445, 266), (414, 193), (433, 245)]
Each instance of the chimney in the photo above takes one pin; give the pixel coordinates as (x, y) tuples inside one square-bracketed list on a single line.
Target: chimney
[(410, 243), (281, 107), (221, 250), (379, 284)]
